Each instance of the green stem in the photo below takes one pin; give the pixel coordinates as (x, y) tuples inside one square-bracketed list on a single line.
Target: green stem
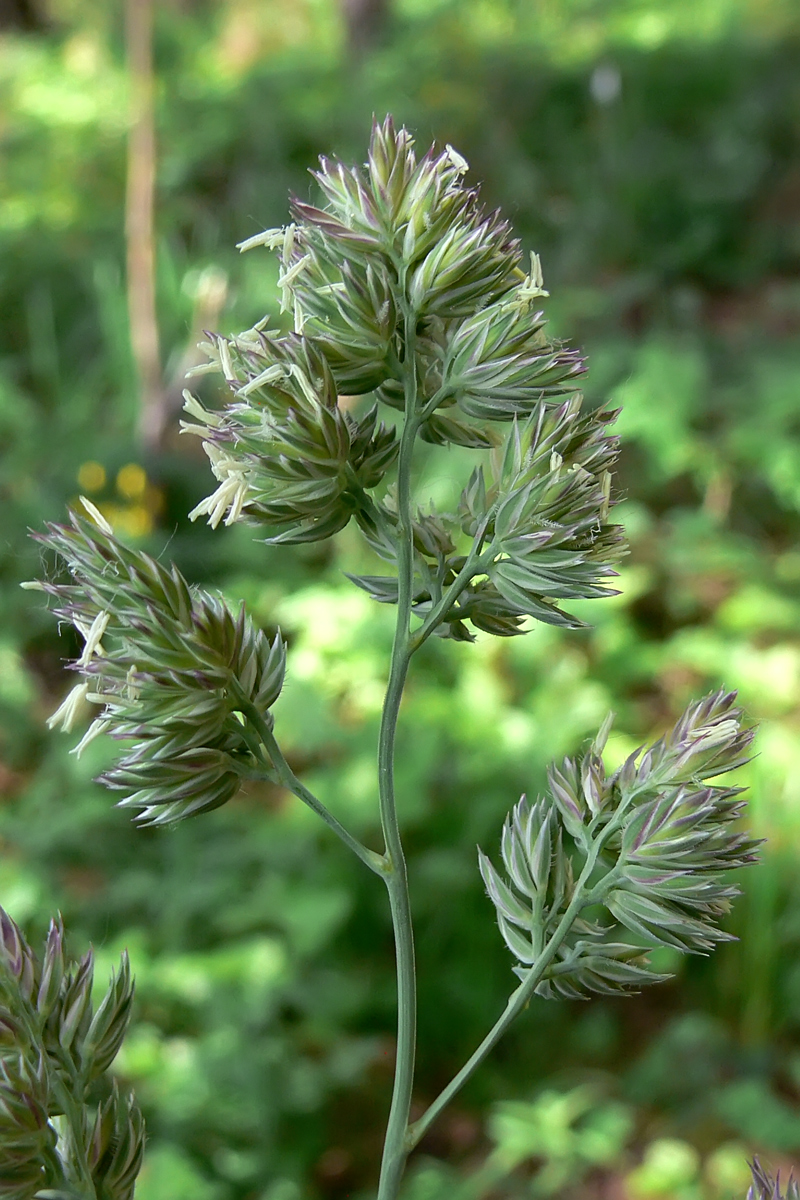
[(472, 567), (517, 1001), (431, 405), (75, 1114), (287, 777), (394, 1149)]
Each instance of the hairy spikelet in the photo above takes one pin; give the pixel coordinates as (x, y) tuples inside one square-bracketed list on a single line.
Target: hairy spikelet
[(765, 1187), (116, 1145), (26, 1137), (170, 666), (667, 839), (54, 1040), (532, 900), (542, 522), (286, 456)]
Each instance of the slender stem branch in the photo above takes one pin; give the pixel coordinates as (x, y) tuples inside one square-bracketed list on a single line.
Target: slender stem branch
[(517, 1001), (436, 399), (287, 777), (394, 1150), (470, 569)]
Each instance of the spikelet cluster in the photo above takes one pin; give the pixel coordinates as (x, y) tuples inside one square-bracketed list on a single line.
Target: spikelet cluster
[(668, 838), (415, 218), (170, 667), (52, 1039), (402, 247), (116, 1145), (285, 455), (542, 521)]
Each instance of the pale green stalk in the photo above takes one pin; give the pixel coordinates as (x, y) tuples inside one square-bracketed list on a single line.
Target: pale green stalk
[(56, 1166), (394, 1150), (472, 567), (285, 775)]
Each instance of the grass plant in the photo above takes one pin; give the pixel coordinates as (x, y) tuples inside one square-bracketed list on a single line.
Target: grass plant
[(400, 288)]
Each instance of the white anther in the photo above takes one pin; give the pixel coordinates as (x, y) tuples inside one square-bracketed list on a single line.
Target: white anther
[(97, 726), (459, 162), (92, 634), (270, 375), (71, 709), (97, 516), (271, 238)]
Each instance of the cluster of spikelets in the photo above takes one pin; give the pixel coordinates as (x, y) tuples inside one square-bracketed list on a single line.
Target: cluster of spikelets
[(659, 838), (283, 450), (55, 1049), (172, 668), (765, 1187), (403, 261), (539, 526)]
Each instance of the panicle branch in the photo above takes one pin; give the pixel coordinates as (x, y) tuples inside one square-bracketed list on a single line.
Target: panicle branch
[(401, 249), (663, 837), (174, 670)]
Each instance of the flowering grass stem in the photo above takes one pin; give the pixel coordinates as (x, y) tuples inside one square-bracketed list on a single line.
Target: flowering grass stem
[(394, 1150)]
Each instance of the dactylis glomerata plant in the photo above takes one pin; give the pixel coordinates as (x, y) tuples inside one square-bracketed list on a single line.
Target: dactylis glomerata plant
[(403, 288)]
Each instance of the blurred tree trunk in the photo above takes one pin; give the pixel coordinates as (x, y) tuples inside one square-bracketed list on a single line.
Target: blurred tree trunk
[(139, 221), (364, 23)]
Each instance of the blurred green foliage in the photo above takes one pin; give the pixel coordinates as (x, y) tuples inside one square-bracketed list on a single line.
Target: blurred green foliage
[(651, 154)]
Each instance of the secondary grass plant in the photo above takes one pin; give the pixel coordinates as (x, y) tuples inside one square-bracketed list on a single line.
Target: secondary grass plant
[(399, 287)]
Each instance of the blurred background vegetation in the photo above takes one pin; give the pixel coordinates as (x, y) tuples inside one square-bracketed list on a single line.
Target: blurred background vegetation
[(650, 151)]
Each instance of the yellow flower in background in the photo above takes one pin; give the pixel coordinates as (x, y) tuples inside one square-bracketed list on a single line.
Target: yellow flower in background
[(726, 1172), (141, 500), (132, 481), (135, 521), (91, 477)]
